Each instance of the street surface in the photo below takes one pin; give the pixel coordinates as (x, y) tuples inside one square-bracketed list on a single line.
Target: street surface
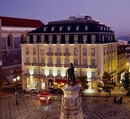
[(93, 107)]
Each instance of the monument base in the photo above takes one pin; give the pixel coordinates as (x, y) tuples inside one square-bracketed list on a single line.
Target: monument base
[(71, 103)]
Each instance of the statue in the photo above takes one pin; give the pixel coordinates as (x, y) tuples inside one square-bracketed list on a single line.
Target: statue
[(70, 73)]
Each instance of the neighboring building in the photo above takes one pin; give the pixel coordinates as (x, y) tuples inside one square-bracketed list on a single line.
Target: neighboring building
[(48, 50), (122, 42), (13, 32)]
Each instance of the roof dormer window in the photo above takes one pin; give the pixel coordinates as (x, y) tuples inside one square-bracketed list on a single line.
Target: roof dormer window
[(45, 28), (93, 38), (75, 39), (86, 28), (50, 38), (52, 28), (60, 28), (84, 39), (77, 28), (67, 39), (58, 38), (68, 28), (101, 28), (42, 38)]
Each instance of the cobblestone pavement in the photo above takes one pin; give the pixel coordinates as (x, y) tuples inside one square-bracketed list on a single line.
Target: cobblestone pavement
[(93, 107)]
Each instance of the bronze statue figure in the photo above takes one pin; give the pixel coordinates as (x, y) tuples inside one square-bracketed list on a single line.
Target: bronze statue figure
[(71, 75)]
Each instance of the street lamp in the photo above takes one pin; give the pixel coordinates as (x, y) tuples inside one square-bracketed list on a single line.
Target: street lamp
[(16, 91)]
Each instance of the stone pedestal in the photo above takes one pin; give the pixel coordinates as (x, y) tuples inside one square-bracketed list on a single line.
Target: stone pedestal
[(71, 103)]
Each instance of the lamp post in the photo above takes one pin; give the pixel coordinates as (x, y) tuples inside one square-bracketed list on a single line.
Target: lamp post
[(16, 90)]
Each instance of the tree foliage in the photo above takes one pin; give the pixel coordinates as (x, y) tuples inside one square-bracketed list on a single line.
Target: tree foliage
[(106, 84), (83, 82), (126, 81)]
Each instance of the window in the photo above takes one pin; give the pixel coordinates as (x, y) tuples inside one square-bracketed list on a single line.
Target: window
[(34, 39), (93, 38), (67, 38), (27, 60), (84, 51), (42, 51), (86, 28), (42, 38), (75, 51), (52, 28), (50, 72), (92, 51), (93, 62), (77, 28), (102, 38), (27, 50), (58, 72), (66, 50), (45, 28), (50, 38), (42, 71), (84, 39), (60, 28), (34, 60), (27, 71), (58, 38), (75, 61), (58, 50), (34, 51), (85, 62), (50, 61), (92, 74), (67, 61), (68, 28), (75, 38), (42, 61), (34, 71), (50, 50), (58, 60), (104, 50), (84, 73)]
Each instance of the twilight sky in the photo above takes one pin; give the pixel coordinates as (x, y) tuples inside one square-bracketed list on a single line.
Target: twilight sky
[(114, 13)]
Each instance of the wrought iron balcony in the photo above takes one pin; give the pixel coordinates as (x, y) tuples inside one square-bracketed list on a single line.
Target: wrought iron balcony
[(76, 65), (41, 64), (58, 65), (34, 64), (66, 54), (50, 53), (84, 66), (42, 75), (27, 74), (93, 66), (50, 65), (58, 54), (66, 65), (27, 63)]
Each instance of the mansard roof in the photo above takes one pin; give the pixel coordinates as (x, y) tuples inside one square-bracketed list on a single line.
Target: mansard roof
[(20, 22), (93, 26)]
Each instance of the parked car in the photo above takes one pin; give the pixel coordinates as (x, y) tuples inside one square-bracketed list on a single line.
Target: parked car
[(33, 90)]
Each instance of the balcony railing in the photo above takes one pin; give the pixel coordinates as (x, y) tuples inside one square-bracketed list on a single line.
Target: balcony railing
[(93, 66), (41, 64), (27, 53), (84, 54), (34, 53), (66, 54), (42, 75), (27, 63), (58, 54), (34, 64), (50, 65), (84, 66), (66, 65), (35, 75), (58, 65), (76, 65), (50, 53), (27, 74)]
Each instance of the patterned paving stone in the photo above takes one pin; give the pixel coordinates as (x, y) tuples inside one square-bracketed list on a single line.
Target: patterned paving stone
[(93, 108)]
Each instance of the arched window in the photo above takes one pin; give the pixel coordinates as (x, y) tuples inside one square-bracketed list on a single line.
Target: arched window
[(10, 41)]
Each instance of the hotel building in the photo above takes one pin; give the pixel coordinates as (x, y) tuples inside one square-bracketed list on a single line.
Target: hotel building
[(89, 44)]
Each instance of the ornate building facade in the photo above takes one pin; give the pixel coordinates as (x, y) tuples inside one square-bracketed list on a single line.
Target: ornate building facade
[(13, 33), (47, 52)]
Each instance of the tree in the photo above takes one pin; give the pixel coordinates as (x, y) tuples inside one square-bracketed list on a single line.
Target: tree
[(126, 82), (106, 84), (84, 83)]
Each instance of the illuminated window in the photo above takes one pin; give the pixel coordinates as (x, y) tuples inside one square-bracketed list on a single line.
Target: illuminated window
[(60, 28), (77, 28), (92, 51), (42, 51), (50, 72), (68, 28), (92, 74), (84, 39), (86, 28), (52, 28), (75, 51)]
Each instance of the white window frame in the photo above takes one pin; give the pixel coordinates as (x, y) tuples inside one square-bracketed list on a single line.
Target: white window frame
[(92, 62)]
